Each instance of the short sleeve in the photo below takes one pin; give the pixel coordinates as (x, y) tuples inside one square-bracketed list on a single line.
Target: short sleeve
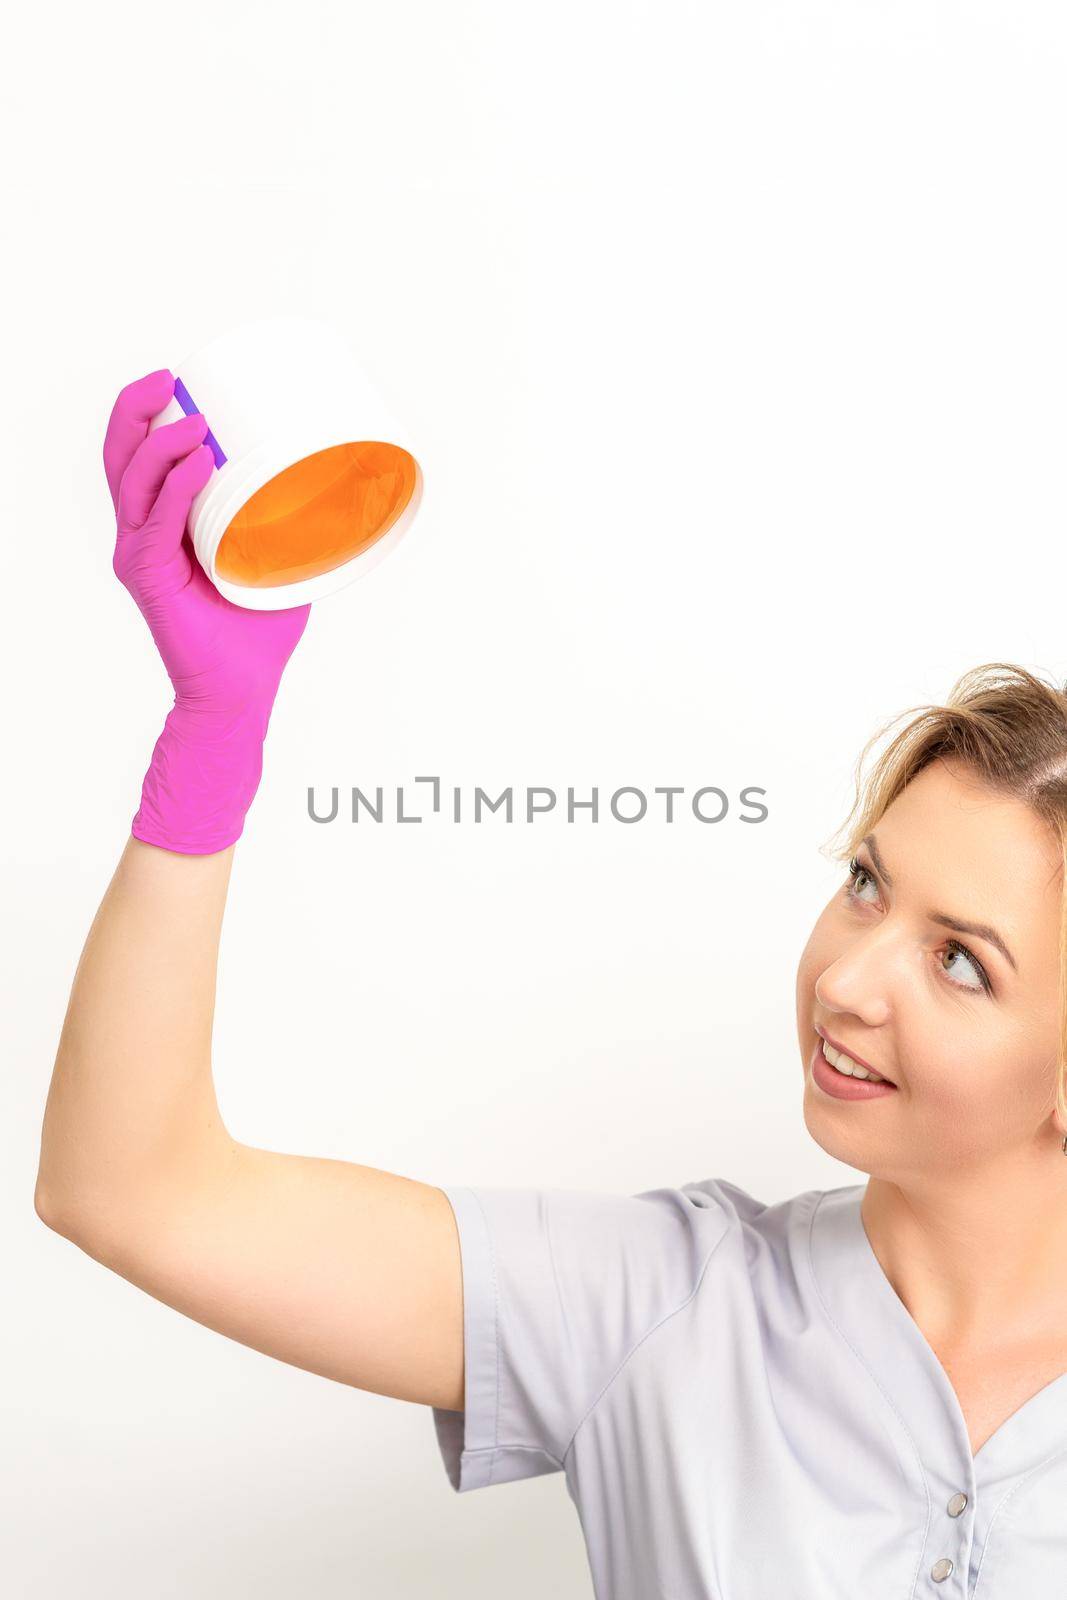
[(559, 1287)]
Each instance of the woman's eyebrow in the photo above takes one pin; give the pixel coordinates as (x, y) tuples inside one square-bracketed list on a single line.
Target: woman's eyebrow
[(980, 930)]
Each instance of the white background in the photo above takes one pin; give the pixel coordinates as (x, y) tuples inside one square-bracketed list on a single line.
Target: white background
[(733, 338)]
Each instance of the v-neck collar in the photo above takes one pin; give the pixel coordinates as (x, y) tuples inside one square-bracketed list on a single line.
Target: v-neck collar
[(887, 1340)]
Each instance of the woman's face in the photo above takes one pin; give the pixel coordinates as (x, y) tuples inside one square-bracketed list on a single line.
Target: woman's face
[(967, 1035)]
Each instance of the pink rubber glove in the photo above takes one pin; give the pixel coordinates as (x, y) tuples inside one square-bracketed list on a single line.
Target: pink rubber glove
[(224, 661)]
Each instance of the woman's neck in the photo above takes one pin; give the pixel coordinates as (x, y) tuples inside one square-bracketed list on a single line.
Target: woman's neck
[(979, 1260)]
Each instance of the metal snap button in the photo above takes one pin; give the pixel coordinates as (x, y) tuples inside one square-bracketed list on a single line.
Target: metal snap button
[(957, 1504), (941, 1569)]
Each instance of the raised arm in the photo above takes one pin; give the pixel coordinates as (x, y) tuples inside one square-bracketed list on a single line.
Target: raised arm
[(342, 1269)]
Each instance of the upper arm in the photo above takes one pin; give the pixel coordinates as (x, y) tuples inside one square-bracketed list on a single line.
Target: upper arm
[(344, 1270)]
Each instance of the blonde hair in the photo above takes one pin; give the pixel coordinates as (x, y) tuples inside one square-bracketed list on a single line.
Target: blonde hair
[(1010, 728)]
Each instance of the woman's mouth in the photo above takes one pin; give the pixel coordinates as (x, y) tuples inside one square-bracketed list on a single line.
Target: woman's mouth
[(828, 1073)]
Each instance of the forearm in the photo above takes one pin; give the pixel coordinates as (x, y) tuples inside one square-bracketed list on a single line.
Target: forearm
[(132, 1096)]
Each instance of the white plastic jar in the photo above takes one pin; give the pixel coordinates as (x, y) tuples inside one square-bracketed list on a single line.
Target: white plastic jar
[(314, 479)]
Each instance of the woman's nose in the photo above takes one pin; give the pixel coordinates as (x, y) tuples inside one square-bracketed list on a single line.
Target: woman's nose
[(857, 982)]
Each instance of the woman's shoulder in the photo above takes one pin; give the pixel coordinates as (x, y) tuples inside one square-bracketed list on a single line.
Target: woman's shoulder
[(736, 1225), (690, 1216), (627, 1259), (723, 1198)]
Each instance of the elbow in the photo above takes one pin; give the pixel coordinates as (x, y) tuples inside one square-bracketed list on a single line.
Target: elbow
[(66, 1215), (101, 1229), (51, 1209)]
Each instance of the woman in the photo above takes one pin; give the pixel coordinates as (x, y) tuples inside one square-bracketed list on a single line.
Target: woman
[(858, 1391)]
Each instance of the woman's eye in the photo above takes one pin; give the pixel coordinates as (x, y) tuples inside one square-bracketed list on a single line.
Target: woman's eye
[(859, 878), (962, 954)]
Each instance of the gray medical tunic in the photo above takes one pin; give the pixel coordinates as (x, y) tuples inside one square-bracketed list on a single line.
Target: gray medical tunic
[(740, 1403)]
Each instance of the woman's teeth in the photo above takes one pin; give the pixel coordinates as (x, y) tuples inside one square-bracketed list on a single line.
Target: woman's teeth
[(850, 1068)]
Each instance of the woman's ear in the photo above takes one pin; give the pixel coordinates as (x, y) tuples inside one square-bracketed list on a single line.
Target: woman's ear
[(1059, 1123)]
